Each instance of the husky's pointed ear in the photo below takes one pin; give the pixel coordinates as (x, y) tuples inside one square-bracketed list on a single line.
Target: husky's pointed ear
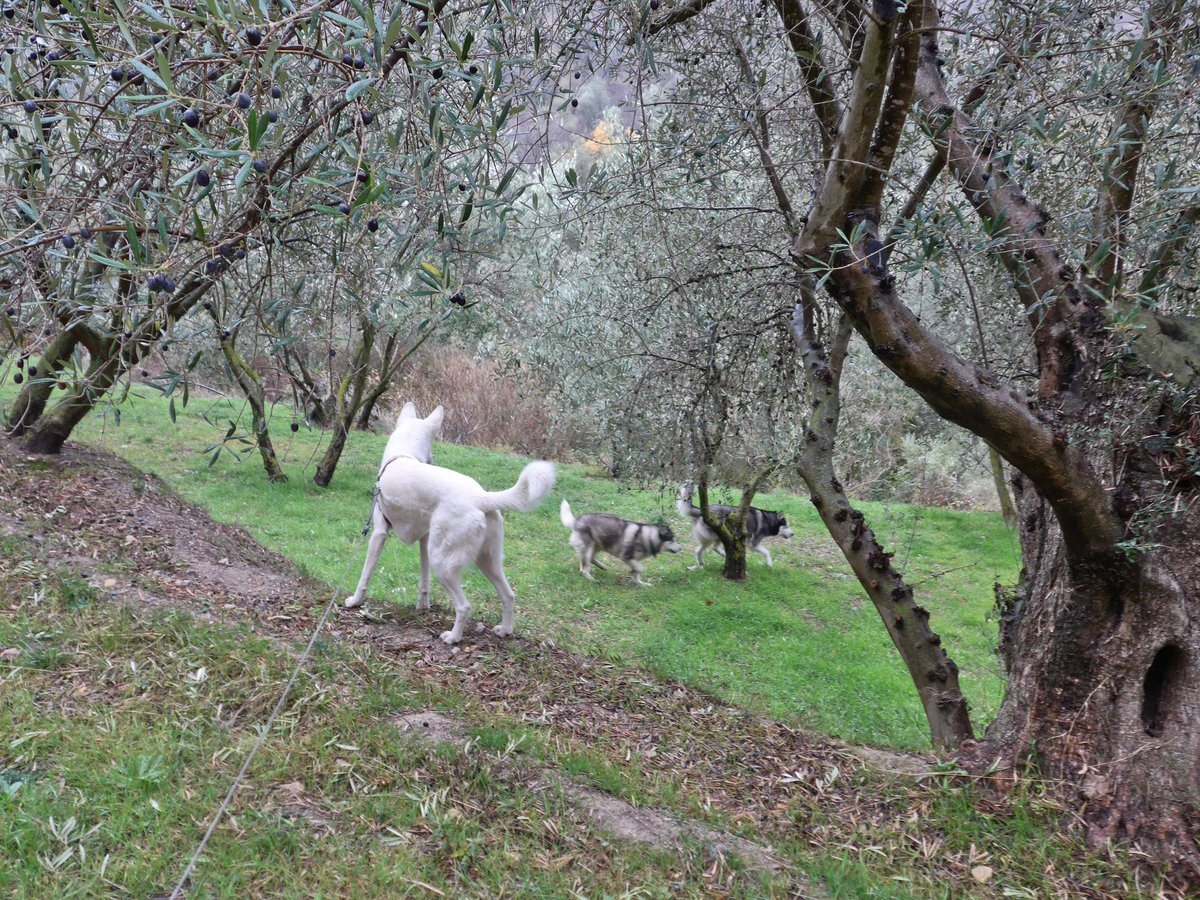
[(408, 411), (434, 419)]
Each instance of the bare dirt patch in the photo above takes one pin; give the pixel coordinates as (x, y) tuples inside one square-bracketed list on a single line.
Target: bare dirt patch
[(431, 727), (292, 803), (660, 829)]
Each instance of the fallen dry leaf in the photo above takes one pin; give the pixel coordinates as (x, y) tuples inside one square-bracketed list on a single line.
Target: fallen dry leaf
[(982, 874)]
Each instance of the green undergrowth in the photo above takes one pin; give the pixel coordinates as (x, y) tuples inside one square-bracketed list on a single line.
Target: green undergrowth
[(798, 641)]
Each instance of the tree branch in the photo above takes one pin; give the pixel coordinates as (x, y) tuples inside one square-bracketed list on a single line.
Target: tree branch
[(762, 140), (815, 73), (974, 398), (846, 170), (678, 14), (895, 110)]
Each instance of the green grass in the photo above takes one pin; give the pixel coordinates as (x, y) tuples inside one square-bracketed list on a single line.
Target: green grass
[(115, 749), (799, 641), (115, 758)]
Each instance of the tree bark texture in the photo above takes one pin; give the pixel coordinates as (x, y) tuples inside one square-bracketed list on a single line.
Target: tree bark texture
[(731, 532), (1102, 638), (348, 402), (51, 429), (933, 672), (1104, 680), (1007, 511)]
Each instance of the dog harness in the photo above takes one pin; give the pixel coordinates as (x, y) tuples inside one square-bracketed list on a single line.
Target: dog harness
[(375, 493)]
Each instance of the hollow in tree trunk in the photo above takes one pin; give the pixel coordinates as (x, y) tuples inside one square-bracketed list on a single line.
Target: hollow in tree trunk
[(1103, 659)]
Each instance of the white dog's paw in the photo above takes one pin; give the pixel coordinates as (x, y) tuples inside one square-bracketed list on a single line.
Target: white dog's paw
[(353, 602), (502, 631), (422, 604), (450, 637), (695, 568)]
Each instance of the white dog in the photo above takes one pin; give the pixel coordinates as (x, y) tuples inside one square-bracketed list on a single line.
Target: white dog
[(455, 520)]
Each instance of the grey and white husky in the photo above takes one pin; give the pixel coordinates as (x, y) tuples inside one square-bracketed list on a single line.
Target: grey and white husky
[(760, 524), (630, 542)]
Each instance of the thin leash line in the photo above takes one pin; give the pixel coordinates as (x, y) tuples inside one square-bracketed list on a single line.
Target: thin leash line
[(262, 736)]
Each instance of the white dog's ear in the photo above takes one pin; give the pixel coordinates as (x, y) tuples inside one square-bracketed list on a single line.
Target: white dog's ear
[(434, 419), (409, 411)]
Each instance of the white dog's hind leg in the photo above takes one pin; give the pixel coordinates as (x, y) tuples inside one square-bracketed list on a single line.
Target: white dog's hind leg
[(495, 574), (491, 563), (378, 536), (765, 552), (423, 587), (452, 582)]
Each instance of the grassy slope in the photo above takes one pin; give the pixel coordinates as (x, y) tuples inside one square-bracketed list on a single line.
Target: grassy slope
[(797, 640), (116, 752)]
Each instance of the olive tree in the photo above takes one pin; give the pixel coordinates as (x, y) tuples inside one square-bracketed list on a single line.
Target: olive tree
[(1066, 130), (154, 153)]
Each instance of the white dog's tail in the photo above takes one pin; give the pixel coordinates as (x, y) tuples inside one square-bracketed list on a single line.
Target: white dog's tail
[(564, 514), (536, 481), (683, 502)]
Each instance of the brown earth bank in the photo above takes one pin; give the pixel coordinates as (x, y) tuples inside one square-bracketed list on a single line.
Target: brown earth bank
[(90, 514)]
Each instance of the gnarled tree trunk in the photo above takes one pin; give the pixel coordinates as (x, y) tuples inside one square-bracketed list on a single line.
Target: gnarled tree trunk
[(1104, 681), (33, 396)]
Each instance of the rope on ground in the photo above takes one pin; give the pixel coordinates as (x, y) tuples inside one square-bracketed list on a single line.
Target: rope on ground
[(176, 893)]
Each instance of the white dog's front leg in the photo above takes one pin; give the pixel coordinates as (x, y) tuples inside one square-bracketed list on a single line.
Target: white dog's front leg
[(374, 548), (699, 559), (423, 588), (765, 552)]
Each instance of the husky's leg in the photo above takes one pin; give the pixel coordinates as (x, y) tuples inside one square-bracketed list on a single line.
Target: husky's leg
[(765, 552), (637, 568), (491, 564), (586, 551), (423, 587), (587, 557), (374, 547)]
